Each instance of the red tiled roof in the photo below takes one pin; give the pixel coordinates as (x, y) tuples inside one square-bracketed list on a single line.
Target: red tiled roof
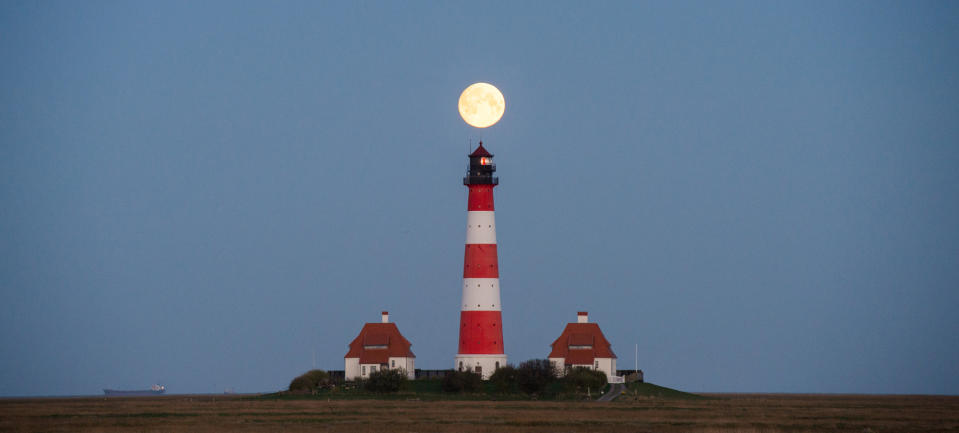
[(481, 151), (379, 334), (579, 357), (376, 340), (375, 356), (578, 339), (581, 334)]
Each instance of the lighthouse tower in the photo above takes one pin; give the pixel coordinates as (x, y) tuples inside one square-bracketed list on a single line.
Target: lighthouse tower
[(481, 322)]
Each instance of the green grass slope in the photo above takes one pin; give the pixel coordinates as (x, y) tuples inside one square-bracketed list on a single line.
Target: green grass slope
[(647, 390), (432, 390)]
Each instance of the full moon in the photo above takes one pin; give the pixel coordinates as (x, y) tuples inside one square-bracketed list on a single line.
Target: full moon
[(482, 105)]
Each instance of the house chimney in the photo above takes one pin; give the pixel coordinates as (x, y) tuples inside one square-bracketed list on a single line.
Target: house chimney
[(386, 317), (583, 317)]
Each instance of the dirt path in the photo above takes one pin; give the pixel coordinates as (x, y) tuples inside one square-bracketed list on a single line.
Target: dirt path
[(614, 391)]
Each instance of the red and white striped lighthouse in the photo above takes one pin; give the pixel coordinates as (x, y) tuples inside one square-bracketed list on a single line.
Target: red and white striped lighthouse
[(481, 321)]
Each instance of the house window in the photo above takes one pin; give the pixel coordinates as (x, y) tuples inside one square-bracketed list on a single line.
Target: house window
[(393, 362), (596, 367), (364, 370), (372, 369)]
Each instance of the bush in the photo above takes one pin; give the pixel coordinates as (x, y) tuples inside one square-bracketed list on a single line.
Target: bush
[(310, 381), (581, 379), (534, 375), (386, 380), (462, 381), (504, 379)]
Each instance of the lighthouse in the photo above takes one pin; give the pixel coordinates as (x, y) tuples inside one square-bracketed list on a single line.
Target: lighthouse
[(481, 322)]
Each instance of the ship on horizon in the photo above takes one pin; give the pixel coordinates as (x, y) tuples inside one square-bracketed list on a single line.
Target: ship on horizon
[(154, 390)]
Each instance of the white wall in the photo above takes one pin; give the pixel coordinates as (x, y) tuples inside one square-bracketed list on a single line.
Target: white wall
[(353, 369), (558, 366), (487, 362), (407, 364), (368, 368), (606, 365)]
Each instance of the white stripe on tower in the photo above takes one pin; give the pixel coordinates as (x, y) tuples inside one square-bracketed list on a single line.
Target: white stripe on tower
[(480, 227), (481, 294)]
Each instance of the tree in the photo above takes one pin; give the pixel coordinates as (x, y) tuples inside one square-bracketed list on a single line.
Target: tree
[(386, 380), (581, 379), (534, 375), (504, 379), (462, 381), (310, 381)]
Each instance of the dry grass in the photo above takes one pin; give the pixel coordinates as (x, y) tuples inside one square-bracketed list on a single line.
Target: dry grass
[(726, 413)]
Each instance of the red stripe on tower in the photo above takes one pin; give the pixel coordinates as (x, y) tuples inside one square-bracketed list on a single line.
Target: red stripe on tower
[(480, 261), (481, 322)]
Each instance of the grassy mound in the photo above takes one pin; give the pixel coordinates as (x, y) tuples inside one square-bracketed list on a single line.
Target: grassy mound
[(432, 390), (650, 390)]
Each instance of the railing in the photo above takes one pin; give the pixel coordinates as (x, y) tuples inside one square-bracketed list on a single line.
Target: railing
[(480, 180), (616, 379), (490, 166)]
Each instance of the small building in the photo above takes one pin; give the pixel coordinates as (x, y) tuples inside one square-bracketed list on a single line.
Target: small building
[(379, 346), (582, 344)]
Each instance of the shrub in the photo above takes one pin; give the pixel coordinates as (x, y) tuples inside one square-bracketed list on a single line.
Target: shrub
[(581, 379), (504, 379), (534, 375), (386, 380), (462, 381), (310, 381)]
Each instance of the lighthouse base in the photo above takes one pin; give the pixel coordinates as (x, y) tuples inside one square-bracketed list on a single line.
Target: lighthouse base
[(485, 365)]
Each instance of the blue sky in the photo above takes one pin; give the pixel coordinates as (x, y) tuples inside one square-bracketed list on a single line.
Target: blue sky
[(763, 196)]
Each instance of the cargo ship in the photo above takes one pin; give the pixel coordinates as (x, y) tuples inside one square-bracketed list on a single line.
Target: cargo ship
[(154, 390)]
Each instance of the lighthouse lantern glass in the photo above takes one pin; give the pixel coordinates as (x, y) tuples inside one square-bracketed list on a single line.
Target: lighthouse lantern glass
[(485, 161)]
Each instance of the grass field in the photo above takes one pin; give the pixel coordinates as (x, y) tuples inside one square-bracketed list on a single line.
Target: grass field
[(640, 411)]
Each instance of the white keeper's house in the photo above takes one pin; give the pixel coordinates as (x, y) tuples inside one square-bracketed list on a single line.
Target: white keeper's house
[(582, 344), (379, 346)]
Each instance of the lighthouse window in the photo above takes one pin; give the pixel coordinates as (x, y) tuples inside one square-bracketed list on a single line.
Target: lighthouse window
[(461, 365)]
